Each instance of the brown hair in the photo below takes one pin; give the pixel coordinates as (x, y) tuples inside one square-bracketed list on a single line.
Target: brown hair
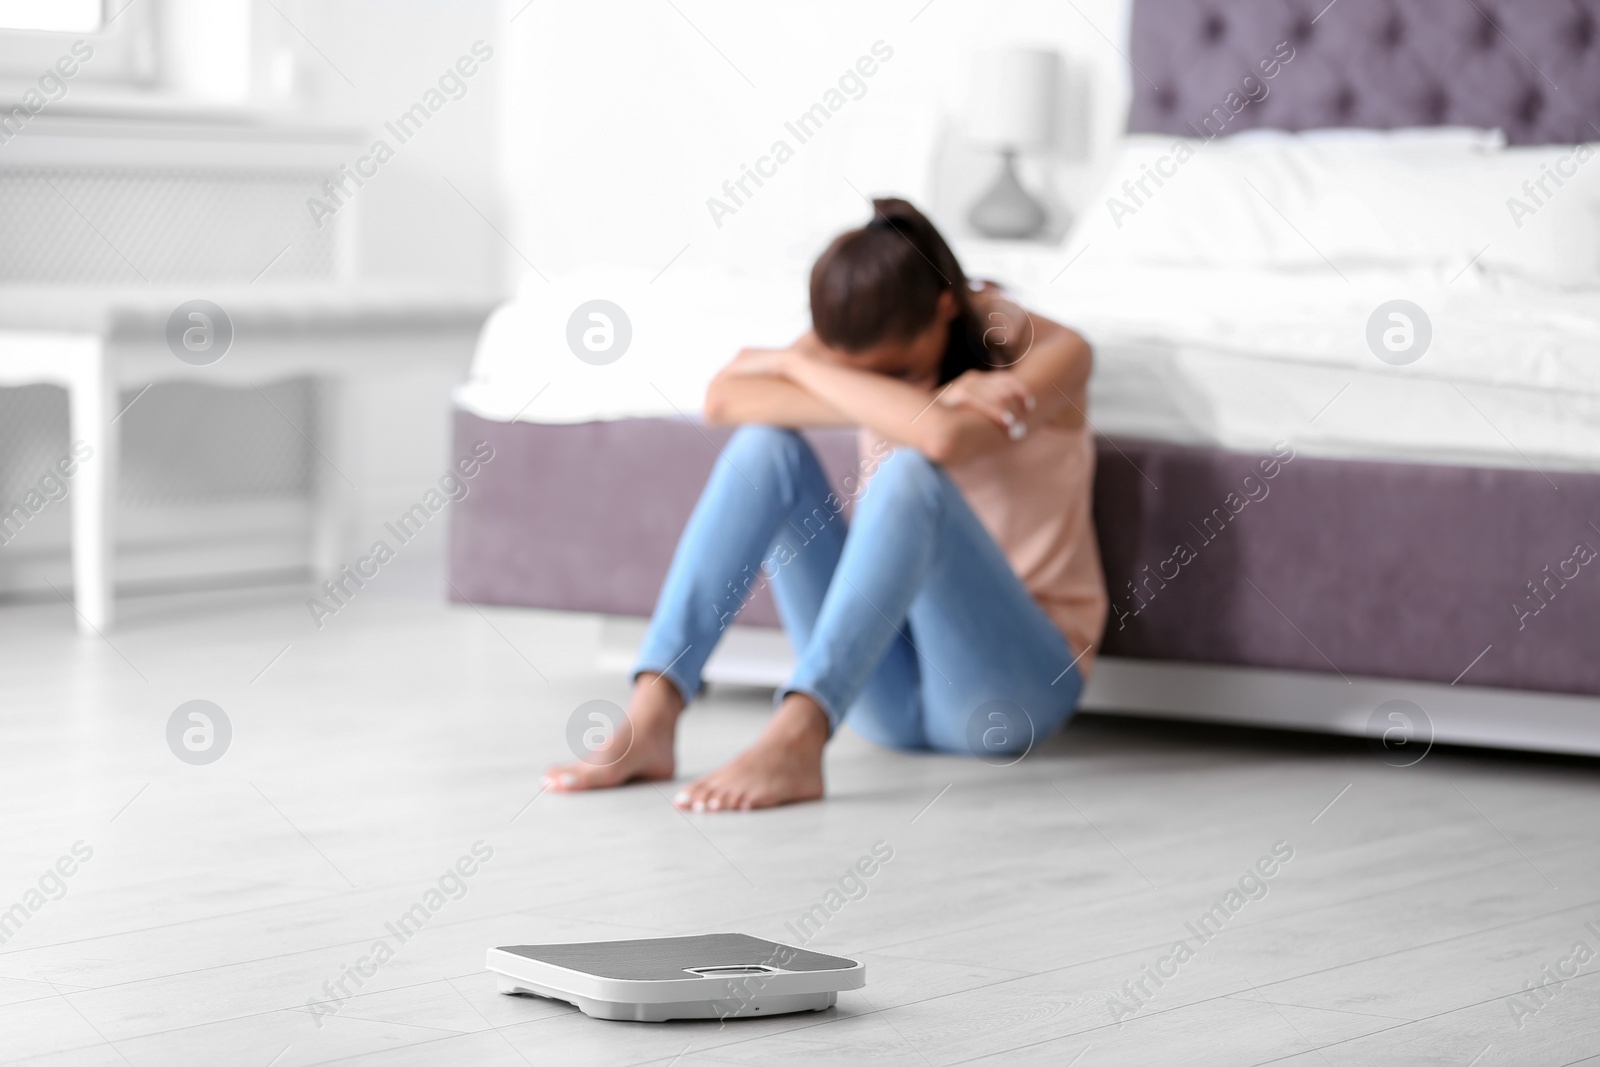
[(882, 283)]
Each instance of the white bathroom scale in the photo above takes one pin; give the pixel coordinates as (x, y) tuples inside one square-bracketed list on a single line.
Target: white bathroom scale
[(653, 979)]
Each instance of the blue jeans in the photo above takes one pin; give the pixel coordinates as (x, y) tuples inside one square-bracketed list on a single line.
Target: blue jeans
[(911, 626)]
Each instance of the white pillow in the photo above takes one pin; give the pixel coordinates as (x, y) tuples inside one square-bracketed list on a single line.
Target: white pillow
[(1541, 229), (1438, 199)]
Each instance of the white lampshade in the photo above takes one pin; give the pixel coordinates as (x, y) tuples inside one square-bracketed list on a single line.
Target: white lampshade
[(1013, 97)]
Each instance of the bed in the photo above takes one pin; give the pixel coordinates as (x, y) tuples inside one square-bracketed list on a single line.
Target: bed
[(1430, 529)]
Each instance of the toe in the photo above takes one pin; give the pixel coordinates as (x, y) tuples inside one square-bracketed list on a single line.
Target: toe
[(575, 777), (561, 779), (694, 798), (730, 797), (709, 794)]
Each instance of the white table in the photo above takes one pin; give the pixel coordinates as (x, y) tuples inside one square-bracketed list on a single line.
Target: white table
[(98, 343), (77, 362)]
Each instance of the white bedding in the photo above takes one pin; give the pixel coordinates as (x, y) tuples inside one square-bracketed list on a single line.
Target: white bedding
[(1236, 358)]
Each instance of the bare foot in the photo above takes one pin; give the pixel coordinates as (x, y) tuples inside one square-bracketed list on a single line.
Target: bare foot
[(782, 767), (640, 750)]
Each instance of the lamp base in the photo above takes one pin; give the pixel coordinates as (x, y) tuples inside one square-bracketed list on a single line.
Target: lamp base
[(1007, 210)]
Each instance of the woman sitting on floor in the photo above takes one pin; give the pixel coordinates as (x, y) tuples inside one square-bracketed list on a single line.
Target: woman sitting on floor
[(959, 609)]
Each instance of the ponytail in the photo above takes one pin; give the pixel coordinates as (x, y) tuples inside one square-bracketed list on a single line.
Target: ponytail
[(882, 282)]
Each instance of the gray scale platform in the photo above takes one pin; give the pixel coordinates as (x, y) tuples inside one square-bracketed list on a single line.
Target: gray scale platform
[(653, 979)]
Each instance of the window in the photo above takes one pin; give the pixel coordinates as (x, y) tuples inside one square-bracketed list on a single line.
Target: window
[(120, 36), (53, 16)]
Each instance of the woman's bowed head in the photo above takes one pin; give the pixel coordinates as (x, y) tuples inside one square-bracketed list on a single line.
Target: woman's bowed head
[(892, 311), (962, 384)]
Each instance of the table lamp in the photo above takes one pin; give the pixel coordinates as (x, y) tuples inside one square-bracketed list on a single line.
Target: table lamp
[(1011, 109)]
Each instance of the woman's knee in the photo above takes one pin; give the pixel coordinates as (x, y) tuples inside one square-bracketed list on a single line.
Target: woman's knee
[(770, 457), (767, 444), (760, 435), (906, 478)]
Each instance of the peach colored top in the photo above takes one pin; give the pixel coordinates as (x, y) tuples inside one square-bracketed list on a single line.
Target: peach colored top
[(1034, 498)]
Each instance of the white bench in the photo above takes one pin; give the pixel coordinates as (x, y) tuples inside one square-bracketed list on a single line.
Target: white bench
[(77, 362), (354, 342), (103, 206)]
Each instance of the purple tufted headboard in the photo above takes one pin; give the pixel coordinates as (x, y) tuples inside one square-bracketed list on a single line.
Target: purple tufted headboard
[(1529, 67)]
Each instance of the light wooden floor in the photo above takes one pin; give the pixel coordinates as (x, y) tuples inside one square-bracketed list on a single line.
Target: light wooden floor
[(374, 753)]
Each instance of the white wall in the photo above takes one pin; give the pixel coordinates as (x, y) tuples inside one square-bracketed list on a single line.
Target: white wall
[(622, 118), (377, 58)]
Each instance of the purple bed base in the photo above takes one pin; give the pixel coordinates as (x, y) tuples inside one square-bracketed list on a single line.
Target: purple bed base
[(1386, 570)]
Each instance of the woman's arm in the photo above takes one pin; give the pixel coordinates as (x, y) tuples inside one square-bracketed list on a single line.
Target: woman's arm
[(902, 413), (1051, 361), (807, 386), (736, 397)]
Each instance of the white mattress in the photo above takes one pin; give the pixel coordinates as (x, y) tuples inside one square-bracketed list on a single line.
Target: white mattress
[(1231, 358)]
